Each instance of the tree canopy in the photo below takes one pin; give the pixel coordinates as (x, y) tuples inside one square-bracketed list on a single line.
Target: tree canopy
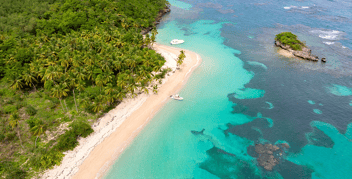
[(67, 62), (290, 39)]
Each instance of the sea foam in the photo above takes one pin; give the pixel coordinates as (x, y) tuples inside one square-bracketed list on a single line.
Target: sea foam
[(329, 43), (329, 34)]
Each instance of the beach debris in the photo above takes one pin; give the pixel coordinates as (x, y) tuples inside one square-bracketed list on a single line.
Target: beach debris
[(323, 60)]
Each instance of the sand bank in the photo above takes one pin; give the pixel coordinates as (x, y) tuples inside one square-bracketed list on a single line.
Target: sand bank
[(285, 53), (115, 131)]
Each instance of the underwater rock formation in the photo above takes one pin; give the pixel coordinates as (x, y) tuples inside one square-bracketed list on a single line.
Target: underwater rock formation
[(266, 158)]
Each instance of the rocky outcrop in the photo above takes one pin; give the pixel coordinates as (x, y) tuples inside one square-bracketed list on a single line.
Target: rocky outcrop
[(305, 53), (157, 19)]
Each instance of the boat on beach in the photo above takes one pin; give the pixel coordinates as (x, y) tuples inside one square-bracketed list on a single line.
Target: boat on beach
[(176, 41), (176, 97)]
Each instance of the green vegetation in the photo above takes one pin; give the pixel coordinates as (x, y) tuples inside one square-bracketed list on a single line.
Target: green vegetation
[(287, 38), (63, 63), (181, 57)]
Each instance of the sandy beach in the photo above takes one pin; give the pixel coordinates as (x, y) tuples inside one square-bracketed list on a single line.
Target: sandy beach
[(285, 53), (117, 129)]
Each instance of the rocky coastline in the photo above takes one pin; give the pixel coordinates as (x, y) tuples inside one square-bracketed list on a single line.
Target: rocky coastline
[(305, 53), (157, 20)]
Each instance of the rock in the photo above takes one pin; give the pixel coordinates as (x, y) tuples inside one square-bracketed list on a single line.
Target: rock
[(266, 157), (276, 148), (305, 53), (285, 145), (267, 161), (323, 60), (157, 20), (259, 148)]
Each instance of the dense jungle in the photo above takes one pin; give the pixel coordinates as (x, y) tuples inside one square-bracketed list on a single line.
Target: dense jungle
[(63, 64)]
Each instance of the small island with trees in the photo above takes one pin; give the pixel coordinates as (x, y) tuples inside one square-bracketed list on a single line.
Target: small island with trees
[(289, 42)]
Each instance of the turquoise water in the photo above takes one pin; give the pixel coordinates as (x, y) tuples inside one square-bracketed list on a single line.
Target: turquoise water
[(180, 4), (339, 90), (243, 94), (311, 102), (206, 108)]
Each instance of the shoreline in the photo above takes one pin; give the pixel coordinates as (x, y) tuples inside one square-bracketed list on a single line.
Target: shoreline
[(284, 53), (116, 129)]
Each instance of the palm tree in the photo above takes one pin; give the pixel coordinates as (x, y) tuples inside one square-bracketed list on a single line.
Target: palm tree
[(29, 79), (80, 73), (155, 89), (38, 130), (80, 87), (117, 64), (76, 61), (120, 95), (152, 38), (60, 91), (14, 122), (99, 81), (109, 89), (16, 81), (180, 58), (147, 40), (52, 72), (65, 62)]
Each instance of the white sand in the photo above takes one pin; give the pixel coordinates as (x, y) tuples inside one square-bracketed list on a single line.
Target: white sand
[(96, 153)]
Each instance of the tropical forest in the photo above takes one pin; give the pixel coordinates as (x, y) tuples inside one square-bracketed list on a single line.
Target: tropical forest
[(63, 64)]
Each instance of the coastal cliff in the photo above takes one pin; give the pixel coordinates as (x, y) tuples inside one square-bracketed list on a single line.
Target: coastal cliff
[(289, 42)]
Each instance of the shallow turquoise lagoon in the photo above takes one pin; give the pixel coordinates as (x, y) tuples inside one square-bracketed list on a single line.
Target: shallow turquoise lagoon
[(166, 148), (244, 94)]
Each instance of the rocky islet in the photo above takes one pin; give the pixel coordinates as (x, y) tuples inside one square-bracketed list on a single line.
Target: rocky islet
[(304, 53)]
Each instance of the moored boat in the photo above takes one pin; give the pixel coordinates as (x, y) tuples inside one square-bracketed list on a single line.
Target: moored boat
[(176, 41), (176, 97)]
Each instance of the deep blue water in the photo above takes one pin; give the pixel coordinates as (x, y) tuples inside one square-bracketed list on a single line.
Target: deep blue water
[(244, 93)]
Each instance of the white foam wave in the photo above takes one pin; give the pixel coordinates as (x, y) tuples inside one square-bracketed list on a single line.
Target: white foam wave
[(329, 34), (289, 7), (328, 43), (295, 7), (329, 37)]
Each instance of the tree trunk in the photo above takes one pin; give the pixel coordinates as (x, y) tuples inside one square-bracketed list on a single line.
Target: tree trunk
[(35, 144), (63, 109), (74, 97), (79, 99), (19, 136), (65, 104), (34, 87)]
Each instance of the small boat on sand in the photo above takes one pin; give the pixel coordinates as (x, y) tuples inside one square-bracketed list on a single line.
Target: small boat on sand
[(176, 97), (176, 41)]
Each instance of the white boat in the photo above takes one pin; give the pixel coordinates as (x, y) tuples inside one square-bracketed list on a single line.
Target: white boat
[(176, 97), (176, 41)]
